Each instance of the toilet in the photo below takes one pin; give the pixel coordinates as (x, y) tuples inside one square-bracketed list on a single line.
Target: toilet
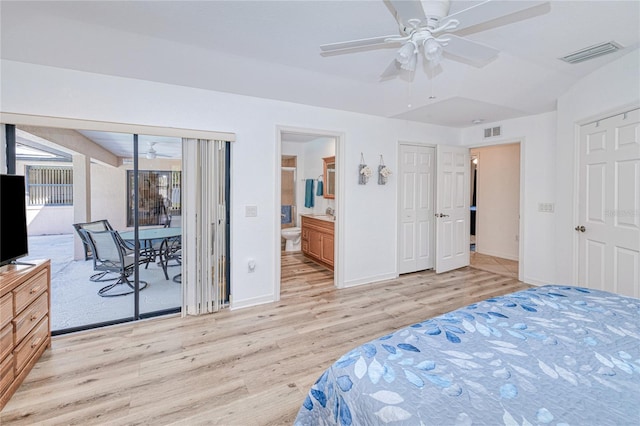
[(292, 238)]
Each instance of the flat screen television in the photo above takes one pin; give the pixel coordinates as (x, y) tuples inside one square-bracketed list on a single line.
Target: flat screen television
[(13, 219)]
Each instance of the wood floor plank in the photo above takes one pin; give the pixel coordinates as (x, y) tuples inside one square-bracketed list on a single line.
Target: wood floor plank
[(251, 366)]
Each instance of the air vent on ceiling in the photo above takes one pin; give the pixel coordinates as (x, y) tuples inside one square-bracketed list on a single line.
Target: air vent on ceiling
[(591, 52)]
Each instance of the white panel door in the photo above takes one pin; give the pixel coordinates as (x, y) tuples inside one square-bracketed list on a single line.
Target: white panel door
[(609, 205), (416, 214), (452, 208)]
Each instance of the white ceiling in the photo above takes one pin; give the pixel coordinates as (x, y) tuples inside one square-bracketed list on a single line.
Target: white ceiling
[(271, 49)]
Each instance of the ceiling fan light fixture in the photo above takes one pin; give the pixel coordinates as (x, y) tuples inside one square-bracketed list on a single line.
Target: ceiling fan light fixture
[(406, 53), (411, 65), (432, 51)]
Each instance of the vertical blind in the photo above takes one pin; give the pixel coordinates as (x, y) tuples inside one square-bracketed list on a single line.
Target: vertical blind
[(204, 226)]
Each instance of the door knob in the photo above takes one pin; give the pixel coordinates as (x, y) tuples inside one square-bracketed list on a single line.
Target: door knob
[(580, 228), (441, 215)]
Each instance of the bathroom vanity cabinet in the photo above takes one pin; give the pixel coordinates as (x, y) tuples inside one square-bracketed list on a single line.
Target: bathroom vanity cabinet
[(317, 239)]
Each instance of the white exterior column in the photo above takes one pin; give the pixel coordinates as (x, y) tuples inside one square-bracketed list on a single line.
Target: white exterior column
[(81, 198)]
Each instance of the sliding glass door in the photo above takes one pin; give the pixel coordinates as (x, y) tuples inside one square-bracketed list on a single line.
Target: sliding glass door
[(108, 210)]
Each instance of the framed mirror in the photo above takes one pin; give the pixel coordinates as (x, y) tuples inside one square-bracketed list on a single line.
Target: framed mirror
[(329, 177)]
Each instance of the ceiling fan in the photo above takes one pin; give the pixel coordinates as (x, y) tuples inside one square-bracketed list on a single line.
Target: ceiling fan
[(152, 154), (426, 26)]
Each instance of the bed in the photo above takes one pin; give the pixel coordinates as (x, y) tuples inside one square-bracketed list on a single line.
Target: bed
[(545, 355)]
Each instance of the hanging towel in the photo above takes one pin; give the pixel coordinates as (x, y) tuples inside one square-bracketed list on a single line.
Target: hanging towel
[(308, 193), (320, 189), (285, 214)]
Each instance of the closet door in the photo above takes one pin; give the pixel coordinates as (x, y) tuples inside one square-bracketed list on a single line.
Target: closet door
[(416, 215), (608, 228), (452, 208)]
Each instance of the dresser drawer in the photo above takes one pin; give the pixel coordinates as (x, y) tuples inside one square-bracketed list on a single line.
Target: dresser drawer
[(6, 341), (29, 291), (28, 318), (7, 373), (31, 344), (6, 309)]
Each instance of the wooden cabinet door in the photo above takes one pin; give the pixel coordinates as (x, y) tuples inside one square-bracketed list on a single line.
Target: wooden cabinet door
[(327, 248), (315, 243)]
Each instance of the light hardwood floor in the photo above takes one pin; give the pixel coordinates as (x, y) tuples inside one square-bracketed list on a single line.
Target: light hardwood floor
[(252, 366), (497, 265)]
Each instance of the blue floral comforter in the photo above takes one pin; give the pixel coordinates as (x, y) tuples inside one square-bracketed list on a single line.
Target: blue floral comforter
[(547, 355)]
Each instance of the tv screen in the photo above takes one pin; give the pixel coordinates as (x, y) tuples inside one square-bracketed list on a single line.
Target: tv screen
[(13, 219)]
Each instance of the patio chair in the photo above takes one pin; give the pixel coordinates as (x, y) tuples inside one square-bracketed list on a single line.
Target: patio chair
[(98, 225), (173, 252), (111, 254)]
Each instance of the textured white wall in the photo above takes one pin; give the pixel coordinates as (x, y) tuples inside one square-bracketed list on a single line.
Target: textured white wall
[(369, 213), (537, 137)]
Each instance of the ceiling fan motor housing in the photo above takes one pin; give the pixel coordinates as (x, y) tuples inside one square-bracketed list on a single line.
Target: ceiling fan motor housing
[(435, 10)]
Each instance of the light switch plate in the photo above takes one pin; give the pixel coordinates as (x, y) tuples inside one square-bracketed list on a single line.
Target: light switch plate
[(250, 211), (546, 207)]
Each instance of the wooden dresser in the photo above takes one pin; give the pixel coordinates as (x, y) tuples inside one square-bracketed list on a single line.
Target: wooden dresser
[(317, 239), (25, 333)]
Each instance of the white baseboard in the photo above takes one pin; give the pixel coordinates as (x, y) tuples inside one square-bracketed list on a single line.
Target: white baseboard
[(239, 304), (535, 281), (369, 280), (498, 254)]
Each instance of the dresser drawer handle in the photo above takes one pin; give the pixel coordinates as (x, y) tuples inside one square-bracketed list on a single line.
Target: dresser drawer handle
[(36, 342), (34, 290), (34, 317)]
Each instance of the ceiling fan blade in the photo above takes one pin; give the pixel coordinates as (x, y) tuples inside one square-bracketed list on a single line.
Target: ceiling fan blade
[(355, 43), (490, 10), (473, 53), (408, 9)]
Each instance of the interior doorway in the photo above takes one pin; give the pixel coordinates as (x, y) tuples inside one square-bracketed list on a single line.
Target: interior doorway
[(495, 208), (309, 203)]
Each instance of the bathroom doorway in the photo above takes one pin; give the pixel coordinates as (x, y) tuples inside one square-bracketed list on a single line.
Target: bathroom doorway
[(307, 210)]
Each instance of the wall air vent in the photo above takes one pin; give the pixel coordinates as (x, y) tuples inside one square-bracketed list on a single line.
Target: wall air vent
[(591, 52), (492, 131)]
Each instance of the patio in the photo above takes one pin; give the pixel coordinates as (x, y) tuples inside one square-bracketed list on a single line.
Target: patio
[(74, 299)]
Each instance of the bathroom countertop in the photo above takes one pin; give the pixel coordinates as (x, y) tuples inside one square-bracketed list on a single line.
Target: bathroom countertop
[(324, 217)]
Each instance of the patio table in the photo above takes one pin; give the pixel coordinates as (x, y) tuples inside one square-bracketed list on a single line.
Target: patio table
[(148, 235)]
